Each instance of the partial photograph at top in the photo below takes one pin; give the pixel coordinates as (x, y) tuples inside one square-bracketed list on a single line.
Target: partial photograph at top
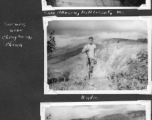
[(95, 3)]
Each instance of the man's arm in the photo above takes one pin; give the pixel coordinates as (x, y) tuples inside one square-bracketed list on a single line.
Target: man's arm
[(84, 49), (95, 51)]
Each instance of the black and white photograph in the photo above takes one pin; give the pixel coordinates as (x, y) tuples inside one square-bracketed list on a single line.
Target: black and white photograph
[(84, 55), (96, 4), (133, 110), (111, 54)]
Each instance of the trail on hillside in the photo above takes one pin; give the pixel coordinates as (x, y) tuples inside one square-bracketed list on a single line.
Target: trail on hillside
[(99, 79)]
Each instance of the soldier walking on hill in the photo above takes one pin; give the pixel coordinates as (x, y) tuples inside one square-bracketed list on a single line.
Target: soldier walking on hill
[(89, 49)]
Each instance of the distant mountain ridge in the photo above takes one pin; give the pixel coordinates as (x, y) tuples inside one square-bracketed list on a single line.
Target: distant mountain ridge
[(134, 114), (131, 115)]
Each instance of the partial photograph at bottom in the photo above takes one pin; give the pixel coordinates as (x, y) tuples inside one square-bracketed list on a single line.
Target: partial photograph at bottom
[(118, 110)]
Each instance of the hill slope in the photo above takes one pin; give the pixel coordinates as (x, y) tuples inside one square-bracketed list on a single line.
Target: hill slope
[(115, 57)]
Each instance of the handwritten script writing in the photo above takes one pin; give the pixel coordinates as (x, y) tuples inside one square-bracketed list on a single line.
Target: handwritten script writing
[(14, 34), (85, 12), (86, 97)]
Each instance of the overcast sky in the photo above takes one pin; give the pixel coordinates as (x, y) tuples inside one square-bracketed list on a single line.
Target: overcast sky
[(70, 31), (72, 112)]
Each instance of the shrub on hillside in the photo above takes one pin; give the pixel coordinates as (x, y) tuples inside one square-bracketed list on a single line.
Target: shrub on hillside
[(132, 2), (65, 76), (136, 77), (143, 40), (51, 44), (51, 2)]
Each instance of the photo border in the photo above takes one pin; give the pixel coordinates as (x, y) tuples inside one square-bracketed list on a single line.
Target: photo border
[(149, 29), (46, 7), (44, 105)]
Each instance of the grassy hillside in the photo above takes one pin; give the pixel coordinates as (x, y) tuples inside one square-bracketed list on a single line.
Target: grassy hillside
[(64, 53), (121, 65)]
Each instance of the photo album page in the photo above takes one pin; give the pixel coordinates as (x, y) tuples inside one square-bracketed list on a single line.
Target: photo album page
[(75, 60)]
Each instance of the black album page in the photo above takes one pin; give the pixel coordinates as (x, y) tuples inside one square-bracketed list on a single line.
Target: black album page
[(75, 60)]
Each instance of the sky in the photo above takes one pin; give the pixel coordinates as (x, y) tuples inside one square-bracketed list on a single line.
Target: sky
[(78, 31), (73, 112)]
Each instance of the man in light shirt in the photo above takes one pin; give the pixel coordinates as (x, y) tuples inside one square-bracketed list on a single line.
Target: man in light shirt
[(89, 49)]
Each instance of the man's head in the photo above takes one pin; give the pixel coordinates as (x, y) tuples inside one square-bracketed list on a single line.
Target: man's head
[(90, 40)]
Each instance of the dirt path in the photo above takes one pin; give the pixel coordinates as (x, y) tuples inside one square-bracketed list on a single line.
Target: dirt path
[(98, 84), (99, 80)]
